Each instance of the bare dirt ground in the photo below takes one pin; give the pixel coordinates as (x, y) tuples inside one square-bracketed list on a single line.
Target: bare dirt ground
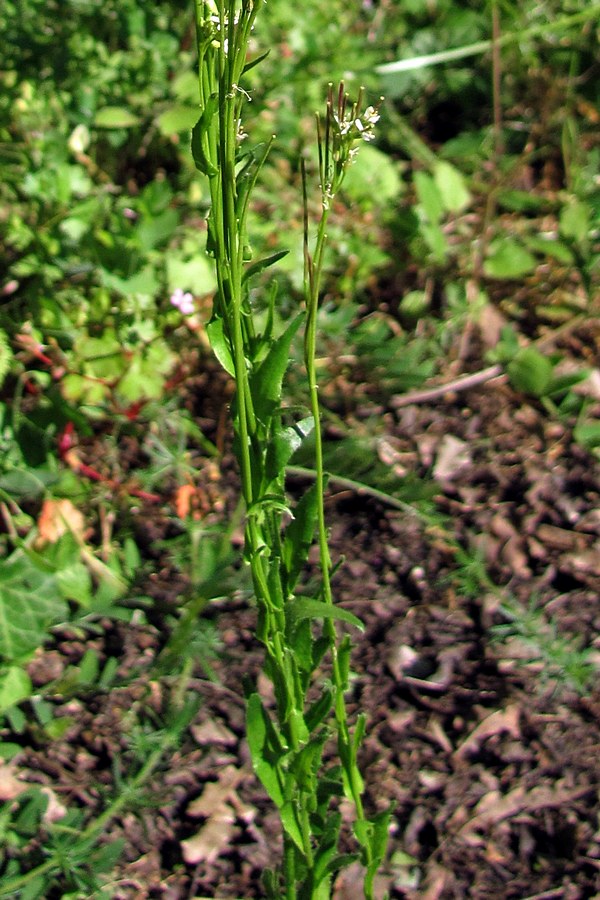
[(490, 760)]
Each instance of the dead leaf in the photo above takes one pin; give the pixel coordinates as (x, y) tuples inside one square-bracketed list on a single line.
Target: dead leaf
[(500, 721), (216, 794), (183, 500), (55, 811), (490, 322), (493, 808), (57, 517), (221, 806), (212, 839), (211, 732), (453, 457), (10, 785)]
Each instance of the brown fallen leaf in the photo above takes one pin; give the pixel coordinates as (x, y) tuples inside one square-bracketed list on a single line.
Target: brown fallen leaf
[(453, 456), (208, 843), (10, 785), (499, 721), (221, 806), (57, 517), (493, 808)]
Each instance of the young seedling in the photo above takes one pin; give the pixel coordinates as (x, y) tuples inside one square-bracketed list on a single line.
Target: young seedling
[(298, 632)]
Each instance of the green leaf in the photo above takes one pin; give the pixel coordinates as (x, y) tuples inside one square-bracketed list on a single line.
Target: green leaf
[(177, 119), (574, 223), (373, 177), (262, 264), (284, 445), (220, 345), (30, 602), (15, 686), (308, 608), (319, 710), (452, 187), (265, 748), (429, 197), (299, 536), (530, 372), (27, 483), (587, 434), (199, 145), (115, 117), (267, 379), (75, 583), (373, 836), (508, 259), (5, 356), (290, 824)]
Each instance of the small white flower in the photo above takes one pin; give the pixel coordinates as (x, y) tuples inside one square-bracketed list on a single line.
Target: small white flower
[(183, 301)]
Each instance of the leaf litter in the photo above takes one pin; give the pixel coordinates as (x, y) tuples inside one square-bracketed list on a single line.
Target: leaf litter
[(492, 771)]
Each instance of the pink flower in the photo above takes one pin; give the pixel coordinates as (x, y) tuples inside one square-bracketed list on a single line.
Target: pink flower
[(183, 301)]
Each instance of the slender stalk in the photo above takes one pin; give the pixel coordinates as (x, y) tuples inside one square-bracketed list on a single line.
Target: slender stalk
[(286, 745)]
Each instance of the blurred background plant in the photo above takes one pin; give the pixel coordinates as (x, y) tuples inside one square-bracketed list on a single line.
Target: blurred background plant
[(479, 203)]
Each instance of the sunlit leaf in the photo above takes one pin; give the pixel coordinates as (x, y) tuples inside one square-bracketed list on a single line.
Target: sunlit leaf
[(115, 117), (309, 608), (30, 602)]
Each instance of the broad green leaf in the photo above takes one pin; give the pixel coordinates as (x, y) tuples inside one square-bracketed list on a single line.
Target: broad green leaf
[(27, 483), (429, 196), (177, 119), (452, 186), (154, 230), (554, 249), (508, 259), (267, 379), (15, 686), (373, 177), (530, 372), (30, 602), (262, 741), (75, 583), (115, 117), (145, 375), (143, 282), (309, 608), (195, 274), (299, 536), (588, 434), (435, 239), (574, 223), (185, 87), (415, 304), (220, 345)]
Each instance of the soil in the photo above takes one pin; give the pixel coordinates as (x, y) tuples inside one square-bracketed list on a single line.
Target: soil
[(488, 756)]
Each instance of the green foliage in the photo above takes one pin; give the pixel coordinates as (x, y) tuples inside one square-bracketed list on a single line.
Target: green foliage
[(102, 221)]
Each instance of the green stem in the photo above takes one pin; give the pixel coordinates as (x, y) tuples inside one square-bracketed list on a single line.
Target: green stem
[(432, 59)]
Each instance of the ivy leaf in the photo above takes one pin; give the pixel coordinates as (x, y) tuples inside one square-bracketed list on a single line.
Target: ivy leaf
[(30, 603)]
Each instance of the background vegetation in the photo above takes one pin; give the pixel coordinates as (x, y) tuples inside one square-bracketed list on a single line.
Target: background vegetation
[(479, 202)]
